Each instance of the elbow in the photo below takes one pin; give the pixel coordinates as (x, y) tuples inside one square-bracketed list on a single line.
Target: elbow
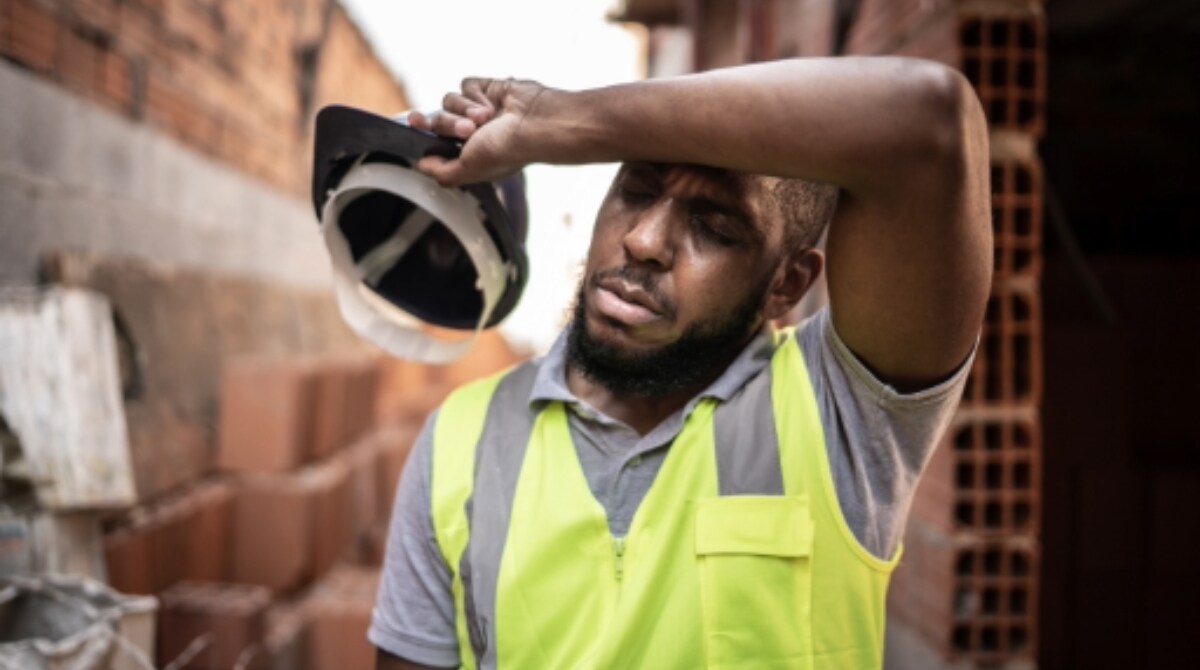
[(949, 111)]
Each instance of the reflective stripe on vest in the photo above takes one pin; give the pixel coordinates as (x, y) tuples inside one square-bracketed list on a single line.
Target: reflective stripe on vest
[(737, 543)]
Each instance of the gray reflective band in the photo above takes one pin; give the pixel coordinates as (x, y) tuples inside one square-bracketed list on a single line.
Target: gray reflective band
[(746, 443), (498, 459)]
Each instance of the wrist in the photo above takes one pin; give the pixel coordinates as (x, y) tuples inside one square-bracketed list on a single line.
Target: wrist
[(566, 128)]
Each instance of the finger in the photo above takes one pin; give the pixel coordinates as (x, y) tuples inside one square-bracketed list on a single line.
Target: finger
[(445, 171), (444, 123), (464, 106), (476, 89), (483, 92)]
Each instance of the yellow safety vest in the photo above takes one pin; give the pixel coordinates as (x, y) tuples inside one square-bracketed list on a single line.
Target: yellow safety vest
[(737, 558)]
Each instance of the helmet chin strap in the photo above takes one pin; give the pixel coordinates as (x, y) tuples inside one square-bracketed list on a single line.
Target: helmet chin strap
[(369, 315)]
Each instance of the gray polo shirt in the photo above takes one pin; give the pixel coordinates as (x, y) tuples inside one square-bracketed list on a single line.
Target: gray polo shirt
[(878, 441)]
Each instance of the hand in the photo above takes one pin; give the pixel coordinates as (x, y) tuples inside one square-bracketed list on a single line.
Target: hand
[(487, 115)]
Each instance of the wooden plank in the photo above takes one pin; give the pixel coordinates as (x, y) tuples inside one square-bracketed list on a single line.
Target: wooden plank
[(60, 394)]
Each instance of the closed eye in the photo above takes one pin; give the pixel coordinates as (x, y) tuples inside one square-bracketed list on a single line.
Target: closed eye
[(636, 195), (708, 229)]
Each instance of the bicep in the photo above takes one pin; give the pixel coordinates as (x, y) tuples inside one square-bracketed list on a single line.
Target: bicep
[(910, 264)]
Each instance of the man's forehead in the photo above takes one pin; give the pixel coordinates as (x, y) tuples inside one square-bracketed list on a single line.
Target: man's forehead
[(727, 185)]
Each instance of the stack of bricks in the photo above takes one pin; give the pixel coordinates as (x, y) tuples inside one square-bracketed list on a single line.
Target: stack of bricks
[(969, 581), (305, 483)]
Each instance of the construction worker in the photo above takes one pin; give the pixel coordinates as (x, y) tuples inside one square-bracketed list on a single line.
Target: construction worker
[(676, 484)]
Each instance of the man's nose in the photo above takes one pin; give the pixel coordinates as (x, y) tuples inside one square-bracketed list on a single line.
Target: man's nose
[(650, 240)]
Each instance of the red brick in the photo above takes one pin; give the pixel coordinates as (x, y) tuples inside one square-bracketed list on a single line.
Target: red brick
[(985, 475), (266, 416), (78, 62), (127, 556), (190, 24), (170, 542), (332, 400), (972, 599), (1017, 218), (407, 392), (340, 611), (1004, 57), (338, 637), (362, 398), (232, 616), (330, 514), (139, 30), (116, 82), (34, 36), (363, 511), (272, 531), (98, 16), (287, 640), (1007, 370), (372, 547), (207, 558)]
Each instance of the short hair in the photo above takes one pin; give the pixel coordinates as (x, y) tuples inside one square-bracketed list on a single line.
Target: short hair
[(805, 207)]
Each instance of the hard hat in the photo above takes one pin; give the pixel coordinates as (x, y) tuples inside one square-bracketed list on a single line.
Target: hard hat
[(406, 250)]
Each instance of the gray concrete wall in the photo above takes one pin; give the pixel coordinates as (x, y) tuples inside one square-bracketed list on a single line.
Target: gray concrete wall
[(73, 175)]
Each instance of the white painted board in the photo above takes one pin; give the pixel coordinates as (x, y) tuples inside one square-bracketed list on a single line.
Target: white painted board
[(60, 393)]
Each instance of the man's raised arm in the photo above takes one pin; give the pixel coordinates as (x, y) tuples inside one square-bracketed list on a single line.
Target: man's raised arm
[(905, 141)]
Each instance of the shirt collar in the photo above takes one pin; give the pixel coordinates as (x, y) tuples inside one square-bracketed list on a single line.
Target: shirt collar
[(550, 383)]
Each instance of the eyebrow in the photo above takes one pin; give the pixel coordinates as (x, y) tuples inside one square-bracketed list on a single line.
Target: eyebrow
[(731, 205)]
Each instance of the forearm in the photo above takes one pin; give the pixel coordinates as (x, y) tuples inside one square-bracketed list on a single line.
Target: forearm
[(848, 121)]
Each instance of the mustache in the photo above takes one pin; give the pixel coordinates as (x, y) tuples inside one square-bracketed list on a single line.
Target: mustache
[(640, 278)]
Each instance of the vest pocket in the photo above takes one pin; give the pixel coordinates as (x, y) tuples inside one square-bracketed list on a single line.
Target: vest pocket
[(754, 556)]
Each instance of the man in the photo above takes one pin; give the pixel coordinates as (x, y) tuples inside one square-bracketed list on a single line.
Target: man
[(675, 485)]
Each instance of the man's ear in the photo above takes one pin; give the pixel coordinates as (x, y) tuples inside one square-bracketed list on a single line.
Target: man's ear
[(792, 280)]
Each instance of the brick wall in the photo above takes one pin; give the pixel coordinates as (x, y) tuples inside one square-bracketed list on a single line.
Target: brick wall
[(237, 81)]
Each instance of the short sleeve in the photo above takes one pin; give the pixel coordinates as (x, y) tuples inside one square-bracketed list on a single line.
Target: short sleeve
[(414, 611), (878, 439)]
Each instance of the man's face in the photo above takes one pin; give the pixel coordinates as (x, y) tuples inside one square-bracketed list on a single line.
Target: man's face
[(681, 257)]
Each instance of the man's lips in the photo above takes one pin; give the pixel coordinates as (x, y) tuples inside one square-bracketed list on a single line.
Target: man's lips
[(626, 304)]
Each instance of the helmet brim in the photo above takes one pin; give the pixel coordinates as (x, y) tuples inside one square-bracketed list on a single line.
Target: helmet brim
[(343, 135)]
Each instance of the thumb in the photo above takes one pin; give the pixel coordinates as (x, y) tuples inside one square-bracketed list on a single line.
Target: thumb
[(445, 172)]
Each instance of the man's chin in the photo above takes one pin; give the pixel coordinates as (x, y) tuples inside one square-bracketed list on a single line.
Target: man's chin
[(636, 340)]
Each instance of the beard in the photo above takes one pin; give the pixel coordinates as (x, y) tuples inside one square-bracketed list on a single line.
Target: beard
[(699, 355)]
